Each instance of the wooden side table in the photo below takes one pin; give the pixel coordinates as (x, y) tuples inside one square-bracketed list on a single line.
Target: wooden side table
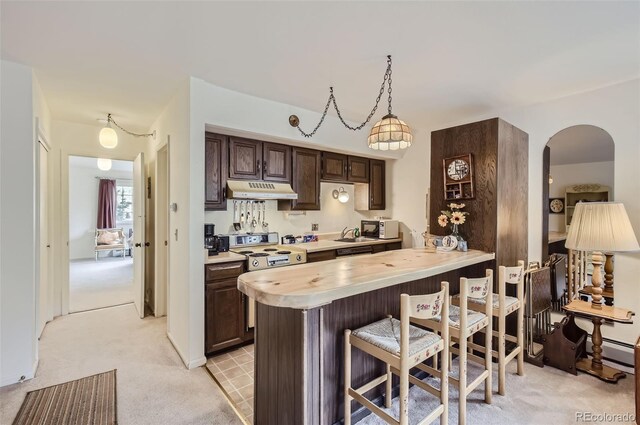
[(594, 366)]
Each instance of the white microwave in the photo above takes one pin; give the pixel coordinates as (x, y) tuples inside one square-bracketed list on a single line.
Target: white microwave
[(383, 229)]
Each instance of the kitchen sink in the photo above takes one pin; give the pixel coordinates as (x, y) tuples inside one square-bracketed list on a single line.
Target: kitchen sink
[(361, 239)]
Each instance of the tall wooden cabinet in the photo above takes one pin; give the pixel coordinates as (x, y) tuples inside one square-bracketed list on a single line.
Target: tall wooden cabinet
[(377, 199), (497, 220), (215, 171), (305, 180)]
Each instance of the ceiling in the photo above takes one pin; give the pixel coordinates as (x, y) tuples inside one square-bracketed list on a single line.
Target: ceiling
[(580, 144), (452, 60)]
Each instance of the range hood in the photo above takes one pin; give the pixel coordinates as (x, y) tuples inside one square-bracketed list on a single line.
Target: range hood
[(241, 189)]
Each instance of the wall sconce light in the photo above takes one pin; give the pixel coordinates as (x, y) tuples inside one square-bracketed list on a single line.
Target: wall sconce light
[(109, 138), (341, 195), (104, 164)]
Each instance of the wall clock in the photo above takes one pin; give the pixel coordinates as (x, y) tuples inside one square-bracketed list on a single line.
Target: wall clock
[(458, 177), (556, 205)]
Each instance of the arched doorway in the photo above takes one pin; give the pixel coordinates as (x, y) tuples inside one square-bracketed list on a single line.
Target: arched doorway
[(578, 165)]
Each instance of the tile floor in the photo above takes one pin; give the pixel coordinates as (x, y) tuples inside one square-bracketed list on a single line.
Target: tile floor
[(233, 371)]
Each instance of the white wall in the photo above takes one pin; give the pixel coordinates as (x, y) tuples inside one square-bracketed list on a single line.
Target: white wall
[(332, 217), (18, 266), (83, 207), (571, 174), (173, 125)]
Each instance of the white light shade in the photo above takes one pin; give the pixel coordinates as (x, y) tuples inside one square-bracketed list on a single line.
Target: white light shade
[(390, 133), (343, 197), (108, 137), (104, 164), (601, 226)]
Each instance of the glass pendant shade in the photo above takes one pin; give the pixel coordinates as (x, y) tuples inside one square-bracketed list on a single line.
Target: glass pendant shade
[(390, 134), (104, 164), (341, 195), (108, 137)]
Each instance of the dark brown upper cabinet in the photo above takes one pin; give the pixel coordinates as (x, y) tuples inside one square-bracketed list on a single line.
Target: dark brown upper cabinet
[(344, 168), (215, 171), (256, 160), (245, 159), (377, 199), (358, 170), (305, 180), (276, 162), (335, 166)]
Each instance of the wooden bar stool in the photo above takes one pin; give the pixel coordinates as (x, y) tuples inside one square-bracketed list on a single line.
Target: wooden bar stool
[(502, 306), (463, 323), (401, 346)]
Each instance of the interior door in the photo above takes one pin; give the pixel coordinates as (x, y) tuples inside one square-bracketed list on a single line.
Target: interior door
[(138, 233), (45, 286)]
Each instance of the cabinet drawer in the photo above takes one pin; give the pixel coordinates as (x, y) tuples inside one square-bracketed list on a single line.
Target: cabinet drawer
[(223, 271)]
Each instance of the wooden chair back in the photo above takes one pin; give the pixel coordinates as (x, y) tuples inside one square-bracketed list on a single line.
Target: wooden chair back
[(422, 308)]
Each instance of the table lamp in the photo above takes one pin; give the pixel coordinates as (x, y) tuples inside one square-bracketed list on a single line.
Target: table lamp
[(597, 227)]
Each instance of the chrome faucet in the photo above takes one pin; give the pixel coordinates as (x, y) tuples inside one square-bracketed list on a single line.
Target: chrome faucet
[(344, 232)]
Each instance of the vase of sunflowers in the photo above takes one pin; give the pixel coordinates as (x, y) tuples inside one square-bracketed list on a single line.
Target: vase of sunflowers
[(454, 217)]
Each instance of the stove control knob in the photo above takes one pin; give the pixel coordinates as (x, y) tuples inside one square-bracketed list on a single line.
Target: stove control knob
[(255, 263), (298, 257)]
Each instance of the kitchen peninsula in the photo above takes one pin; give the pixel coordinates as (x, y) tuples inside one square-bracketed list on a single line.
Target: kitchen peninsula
[(302, 312)]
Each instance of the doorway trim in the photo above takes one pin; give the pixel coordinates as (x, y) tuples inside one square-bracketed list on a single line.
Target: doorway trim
[(161, 230), (41, 140), (64, 282)]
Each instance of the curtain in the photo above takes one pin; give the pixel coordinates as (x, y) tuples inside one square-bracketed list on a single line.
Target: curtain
[(107, 204)]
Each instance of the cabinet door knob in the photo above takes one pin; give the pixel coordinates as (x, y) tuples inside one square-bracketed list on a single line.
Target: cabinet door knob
[(138, 245), (258, 164)]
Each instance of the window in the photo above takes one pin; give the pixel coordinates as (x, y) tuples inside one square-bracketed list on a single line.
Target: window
[(124, 203)]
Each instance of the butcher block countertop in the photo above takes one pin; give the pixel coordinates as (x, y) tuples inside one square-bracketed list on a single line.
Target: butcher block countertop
[(314, 284), (328, 245), (222, 257)]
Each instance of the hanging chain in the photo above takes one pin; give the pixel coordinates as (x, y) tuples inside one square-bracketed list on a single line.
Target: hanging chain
[(332, 99), (389, 107), (110, 119)]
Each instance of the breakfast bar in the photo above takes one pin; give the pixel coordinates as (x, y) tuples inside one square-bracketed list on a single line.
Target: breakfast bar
[(302, 312)]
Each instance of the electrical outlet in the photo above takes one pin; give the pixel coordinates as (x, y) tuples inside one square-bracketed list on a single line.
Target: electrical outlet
[(314, 227)]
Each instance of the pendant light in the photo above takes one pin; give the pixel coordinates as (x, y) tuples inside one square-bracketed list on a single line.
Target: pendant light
[(109, 138), (390, 133), (104, 164)]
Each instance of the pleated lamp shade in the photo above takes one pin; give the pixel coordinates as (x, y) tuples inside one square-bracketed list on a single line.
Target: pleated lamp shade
[(390, 133), (601, 226)]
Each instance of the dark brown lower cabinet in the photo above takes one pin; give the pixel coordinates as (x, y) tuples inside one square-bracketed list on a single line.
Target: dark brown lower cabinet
[(224, 309), (331, 254)]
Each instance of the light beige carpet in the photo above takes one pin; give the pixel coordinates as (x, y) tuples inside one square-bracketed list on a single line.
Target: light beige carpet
[(154, 387), (97, 284), (543, 396)]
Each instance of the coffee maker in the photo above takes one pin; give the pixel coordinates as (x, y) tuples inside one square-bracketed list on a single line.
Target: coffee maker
[(214, 244), (210, 242)]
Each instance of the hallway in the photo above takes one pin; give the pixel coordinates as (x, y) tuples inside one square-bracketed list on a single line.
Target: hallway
[(153, 386)]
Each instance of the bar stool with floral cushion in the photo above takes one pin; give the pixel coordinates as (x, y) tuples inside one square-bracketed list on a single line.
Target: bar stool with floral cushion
[(402, 346)]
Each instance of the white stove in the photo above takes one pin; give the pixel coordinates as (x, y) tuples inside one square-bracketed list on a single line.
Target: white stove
[(263, 252)]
